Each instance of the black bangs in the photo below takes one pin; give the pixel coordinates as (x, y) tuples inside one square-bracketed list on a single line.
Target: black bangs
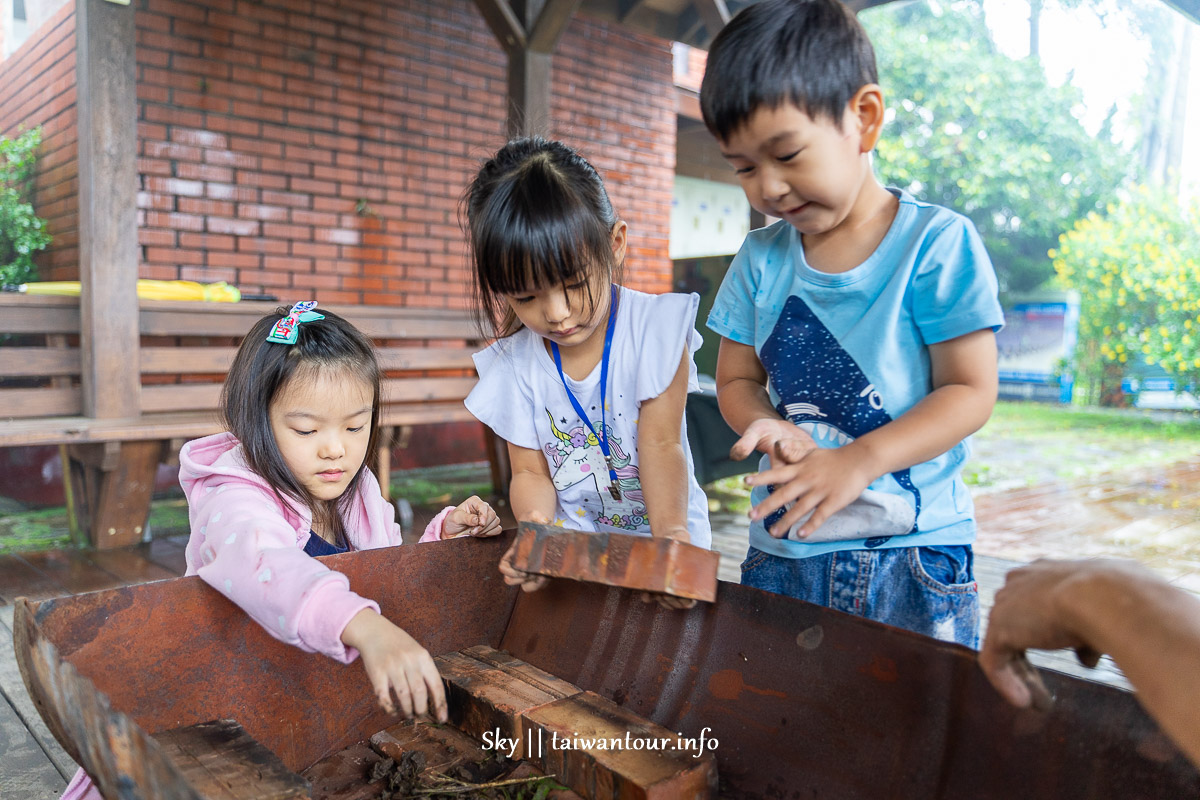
[(537, 233), (538, 216), (811, 53)]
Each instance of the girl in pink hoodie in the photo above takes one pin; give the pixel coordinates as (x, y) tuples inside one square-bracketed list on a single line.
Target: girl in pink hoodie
[(289, 481)]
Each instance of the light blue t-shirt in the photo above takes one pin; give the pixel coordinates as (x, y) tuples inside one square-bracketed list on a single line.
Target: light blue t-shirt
[(846, 353)]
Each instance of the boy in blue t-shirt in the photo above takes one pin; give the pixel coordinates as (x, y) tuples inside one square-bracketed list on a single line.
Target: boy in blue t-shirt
[(858, 347)]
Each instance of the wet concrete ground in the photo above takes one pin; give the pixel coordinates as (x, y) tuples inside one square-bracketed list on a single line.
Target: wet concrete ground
[(1150, 515)]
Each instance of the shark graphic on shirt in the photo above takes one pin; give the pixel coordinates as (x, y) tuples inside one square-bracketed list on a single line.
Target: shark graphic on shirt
[(823, 391)]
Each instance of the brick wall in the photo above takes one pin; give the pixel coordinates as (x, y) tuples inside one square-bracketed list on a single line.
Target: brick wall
[(298, 148), (37, 87)]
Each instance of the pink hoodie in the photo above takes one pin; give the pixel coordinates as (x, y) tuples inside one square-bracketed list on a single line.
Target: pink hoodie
[(250, 548)]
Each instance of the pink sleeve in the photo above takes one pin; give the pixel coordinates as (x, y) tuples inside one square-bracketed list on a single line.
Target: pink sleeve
[(433, 531), (248, 551), (81, 788)]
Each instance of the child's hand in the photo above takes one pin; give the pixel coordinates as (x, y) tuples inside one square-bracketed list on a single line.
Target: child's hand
[(667, 601), (528, 581), (778, 438), (396, 663), (824, 481), (473, 517)]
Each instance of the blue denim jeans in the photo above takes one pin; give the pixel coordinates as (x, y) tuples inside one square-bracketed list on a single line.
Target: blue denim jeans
[(929, 590)]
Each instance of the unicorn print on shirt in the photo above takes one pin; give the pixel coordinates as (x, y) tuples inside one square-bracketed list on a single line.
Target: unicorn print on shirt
[(577, 458)]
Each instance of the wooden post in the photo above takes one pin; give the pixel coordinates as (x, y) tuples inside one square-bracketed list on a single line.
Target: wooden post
[(108, 260), (528, 30), (108, 254)]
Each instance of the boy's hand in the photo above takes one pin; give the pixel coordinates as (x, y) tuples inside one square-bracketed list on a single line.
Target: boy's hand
[(528, 581), (779, 438), (396, 663), (473, 517), (823, 481)]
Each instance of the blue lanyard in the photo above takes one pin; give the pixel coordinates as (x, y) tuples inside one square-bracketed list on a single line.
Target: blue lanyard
[(601, 438)]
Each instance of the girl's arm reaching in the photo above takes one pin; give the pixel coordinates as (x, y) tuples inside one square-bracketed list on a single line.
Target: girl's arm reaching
[(395, 663), (531, 492), (662, 465), (242, 546), (533, 499)]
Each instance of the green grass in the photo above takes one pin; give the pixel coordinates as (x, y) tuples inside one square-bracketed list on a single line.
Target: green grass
[(44, 529), (439, 486), (1028, 443)]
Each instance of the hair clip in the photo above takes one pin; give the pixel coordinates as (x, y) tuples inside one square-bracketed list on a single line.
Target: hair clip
[(285, 330)]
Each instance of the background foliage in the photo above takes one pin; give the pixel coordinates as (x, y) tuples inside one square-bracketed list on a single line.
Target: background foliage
[(1137, 268), (22, 232), (987, 135)]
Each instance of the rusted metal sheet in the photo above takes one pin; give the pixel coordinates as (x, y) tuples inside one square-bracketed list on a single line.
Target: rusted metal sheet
[(795, 700), (176, 652), (652, 564), (121, 758), (798, 700)]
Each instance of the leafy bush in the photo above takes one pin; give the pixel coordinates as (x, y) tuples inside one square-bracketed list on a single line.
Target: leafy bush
[(1138, 271), (987, 135), (22, 232)]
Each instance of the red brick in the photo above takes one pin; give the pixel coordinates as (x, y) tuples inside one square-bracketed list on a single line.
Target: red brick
[(487, 689), (652, 564), (234, 227), (626, 767)]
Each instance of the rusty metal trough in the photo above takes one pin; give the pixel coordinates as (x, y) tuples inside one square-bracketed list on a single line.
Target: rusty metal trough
[(802, 701)]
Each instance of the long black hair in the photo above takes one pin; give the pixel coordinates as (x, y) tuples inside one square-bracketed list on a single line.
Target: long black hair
[(261, 369), (537, 216)]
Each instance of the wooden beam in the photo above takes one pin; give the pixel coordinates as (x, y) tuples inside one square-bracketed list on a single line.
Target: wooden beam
[(550, 24), (108, 250), (687, 27), (529, 84), (627, 7), (501, 18), (715, 14)]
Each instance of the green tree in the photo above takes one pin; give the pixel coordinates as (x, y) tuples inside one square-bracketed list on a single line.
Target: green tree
[(1137, 269), (22, 232), (987, 135)]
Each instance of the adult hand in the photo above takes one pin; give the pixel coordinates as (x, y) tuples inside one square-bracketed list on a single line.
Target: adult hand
[(396, 664), (473, 517), (1028, 614)]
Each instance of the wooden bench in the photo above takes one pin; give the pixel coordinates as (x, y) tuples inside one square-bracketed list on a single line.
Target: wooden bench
[(185, 349)]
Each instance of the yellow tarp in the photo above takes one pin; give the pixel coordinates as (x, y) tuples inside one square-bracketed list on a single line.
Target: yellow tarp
[(219, 292)]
